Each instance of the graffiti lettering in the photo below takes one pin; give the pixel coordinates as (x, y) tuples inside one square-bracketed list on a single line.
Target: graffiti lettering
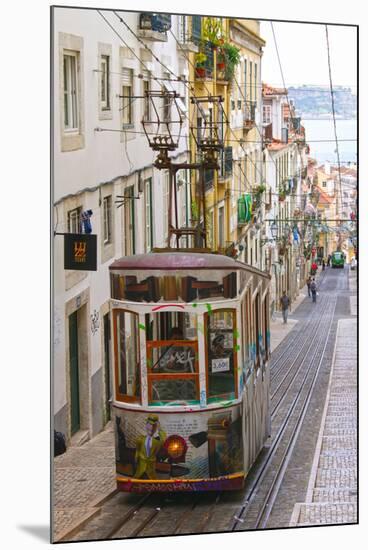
[(95, 322)]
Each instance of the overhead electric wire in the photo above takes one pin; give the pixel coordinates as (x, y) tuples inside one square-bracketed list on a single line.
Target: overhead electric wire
[(191, 89), (333, 112)]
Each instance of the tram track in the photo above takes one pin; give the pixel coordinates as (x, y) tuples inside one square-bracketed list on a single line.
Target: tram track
[(264, 508)]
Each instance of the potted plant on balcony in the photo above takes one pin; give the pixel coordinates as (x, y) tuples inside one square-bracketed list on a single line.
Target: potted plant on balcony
[(200, 68), (282, 195), (212, 31), (231, 57)]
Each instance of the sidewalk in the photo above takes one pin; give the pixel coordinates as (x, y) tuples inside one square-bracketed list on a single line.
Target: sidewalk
[(332, 490), (278, 329), (83, 478)]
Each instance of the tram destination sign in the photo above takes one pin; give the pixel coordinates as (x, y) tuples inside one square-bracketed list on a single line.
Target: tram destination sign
[(80, 252)]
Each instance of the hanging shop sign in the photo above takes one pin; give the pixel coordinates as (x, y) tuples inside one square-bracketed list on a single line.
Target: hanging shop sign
[(80, 252)]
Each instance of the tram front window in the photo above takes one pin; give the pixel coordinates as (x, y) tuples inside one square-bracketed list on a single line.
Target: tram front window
[(221, 355), (127, 356), (172, 361)]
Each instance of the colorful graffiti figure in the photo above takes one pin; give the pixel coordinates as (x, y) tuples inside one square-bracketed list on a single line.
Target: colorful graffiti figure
[(147, 448)]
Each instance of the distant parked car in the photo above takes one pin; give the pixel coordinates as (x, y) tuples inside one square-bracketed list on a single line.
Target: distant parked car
[(353, 263)]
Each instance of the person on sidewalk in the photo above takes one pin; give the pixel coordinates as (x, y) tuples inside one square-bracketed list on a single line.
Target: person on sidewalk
[(309, 280), (314, 290), (285, 305), (323, 264)]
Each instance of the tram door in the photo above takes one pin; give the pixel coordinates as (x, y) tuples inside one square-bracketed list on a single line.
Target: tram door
[(74, 373), (107, 359)]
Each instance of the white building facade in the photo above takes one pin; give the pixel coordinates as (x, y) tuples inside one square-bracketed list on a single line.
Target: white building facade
[(102, 162)]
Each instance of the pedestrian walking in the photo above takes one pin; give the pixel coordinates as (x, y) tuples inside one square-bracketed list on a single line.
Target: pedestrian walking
[(309, 280), (323, 264), (285, 305), (313, 288), (328, 260)]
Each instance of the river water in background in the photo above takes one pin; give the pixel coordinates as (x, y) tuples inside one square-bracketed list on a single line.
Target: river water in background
[(324, 130)]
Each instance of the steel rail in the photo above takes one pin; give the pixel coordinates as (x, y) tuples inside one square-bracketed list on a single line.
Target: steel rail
[(275, 444)]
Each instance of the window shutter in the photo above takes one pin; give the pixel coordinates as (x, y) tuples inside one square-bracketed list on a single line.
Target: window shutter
[(126, 77)]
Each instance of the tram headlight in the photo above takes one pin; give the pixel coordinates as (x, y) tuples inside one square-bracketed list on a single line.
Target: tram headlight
[(176, 448)]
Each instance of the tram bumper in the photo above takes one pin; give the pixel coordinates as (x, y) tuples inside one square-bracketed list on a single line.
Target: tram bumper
[(230, 482)]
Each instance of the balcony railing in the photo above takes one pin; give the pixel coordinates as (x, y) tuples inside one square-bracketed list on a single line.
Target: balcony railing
[(226, 162), (205, 70), (154, 26), (208, 177), (249, 114), (190, 32)]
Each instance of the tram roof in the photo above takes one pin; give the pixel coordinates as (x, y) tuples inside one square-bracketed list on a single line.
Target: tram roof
[(176, 261)]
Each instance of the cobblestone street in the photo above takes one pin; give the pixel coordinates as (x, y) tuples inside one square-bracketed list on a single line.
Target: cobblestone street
[(332, 491), (320, 484)]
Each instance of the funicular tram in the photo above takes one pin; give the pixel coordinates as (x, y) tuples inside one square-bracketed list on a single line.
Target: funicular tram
[(191, 376), (191, 342)]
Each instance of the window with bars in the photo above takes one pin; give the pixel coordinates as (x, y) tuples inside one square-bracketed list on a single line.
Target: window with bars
[(146, 101), (107, 219), (70, 76), (74, 220), (105, 82)]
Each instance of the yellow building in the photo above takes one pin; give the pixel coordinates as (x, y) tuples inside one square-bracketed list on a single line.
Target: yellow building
[(246, 127), (227, 66)]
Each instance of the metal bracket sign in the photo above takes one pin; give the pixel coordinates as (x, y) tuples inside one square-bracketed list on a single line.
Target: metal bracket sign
[(80, 251)]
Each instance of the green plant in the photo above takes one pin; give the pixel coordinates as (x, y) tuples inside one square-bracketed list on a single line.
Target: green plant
[(200, 59), (212, 31), (231, 53), (261, 188)]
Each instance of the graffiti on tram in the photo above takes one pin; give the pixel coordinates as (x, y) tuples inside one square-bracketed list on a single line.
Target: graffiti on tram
[(165, 446)]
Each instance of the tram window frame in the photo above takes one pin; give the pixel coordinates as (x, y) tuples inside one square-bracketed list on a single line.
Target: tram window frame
[(161, 324), (125, 397), (225, 395)]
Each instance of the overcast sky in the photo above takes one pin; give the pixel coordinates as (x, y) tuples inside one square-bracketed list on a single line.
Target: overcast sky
[(303, 54)]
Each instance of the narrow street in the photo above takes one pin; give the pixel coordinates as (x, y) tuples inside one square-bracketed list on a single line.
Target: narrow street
[(306, 474)]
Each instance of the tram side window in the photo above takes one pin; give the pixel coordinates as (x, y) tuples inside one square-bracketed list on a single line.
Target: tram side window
[(127, 360), (172, 357), (221, 354)]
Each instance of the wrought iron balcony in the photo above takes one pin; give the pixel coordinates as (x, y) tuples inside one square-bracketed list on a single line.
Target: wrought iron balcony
[(226, 163), (154, 26), (249, 114), (189, 33)]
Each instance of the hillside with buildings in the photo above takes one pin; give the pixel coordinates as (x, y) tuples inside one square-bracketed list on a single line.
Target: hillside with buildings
[(315, 101)]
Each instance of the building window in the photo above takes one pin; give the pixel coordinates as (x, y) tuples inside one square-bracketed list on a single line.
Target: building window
[(147, 103), (239, 103), (324, 184), (71, 121), (107, 219), (166, 184), (221, 228), (167, 102), (127, 96), (245, 80), (148, 214), (255, 84), (105, 82), (267, 114), (74, 220)]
